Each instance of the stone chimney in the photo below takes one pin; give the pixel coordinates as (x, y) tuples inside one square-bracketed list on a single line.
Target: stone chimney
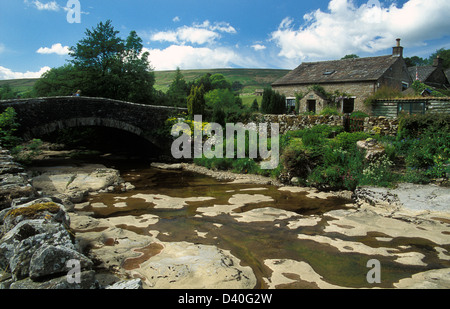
[(397, 51), (437, 62)]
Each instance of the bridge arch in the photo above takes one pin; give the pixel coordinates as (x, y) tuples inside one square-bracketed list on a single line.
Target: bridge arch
[(51, 127), (39, 116)]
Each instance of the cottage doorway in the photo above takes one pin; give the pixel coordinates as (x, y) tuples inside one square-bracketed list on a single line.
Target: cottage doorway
[(348, 105), (311, 106)]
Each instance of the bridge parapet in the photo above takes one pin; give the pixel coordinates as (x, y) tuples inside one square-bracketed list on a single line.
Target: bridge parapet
[(39, 116)]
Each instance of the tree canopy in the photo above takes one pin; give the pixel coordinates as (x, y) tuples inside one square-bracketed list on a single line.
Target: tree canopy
[(103, 65)]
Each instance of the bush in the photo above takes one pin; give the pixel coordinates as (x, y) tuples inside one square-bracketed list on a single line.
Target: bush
[(424, 141), (329, 111), (296, 161), (348, 141), (8, 127), (358, 114), (378, 173), (412, 126)]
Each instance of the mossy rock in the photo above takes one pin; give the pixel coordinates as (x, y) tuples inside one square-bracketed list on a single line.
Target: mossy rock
[(34, 211)]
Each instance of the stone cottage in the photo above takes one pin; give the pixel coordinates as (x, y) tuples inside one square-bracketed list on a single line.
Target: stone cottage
[(356, 78), (431, 75)]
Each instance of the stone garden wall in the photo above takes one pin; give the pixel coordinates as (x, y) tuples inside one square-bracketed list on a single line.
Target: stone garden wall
[(373, 125)]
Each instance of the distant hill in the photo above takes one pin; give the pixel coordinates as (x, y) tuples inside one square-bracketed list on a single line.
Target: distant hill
[(21, 85), (251, 79)]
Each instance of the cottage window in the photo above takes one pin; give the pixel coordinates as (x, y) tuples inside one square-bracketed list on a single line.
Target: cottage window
[(412, 108), (290, 104)]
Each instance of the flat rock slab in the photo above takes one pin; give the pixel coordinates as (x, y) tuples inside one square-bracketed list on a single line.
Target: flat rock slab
[(423, 197), (409, 196)]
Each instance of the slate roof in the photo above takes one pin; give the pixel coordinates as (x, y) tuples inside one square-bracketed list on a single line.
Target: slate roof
[(424, 72), (345, 70)]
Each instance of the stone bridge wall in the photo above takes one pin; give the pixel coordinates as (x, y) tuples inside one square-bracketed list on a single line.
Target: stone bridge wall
[(45, 115)]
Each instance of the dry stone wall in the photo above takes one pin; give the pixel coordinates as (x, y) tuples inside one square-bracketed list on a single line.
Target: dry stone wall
[(373, 125)]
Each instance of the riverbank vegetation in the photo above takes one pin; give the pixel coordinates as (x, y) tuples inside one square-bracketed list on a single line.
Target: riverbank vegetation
[(327, 157)]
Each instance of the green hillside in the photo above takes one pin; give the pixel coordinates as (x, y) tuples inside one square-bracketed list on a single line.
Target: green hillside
[(251, 79), (20, 85)]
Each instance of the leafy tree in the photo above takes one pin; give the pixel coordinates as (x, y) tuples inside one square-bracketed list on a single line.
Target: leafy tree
[(443, 54), (137, 79), (6, 92), (8, 127), (103, 65), (218, 81), (415, 61), (351, 56), (255, 106), (273, 102), (196, 101), (237, 86), (219, 98), (178, 90), (204, 81), (61, 81)]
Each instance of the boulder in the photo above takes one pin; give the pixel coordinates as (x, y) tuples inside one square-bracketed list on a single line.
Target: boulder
[(372, 149), (52, 260), (13, 181), (87, 281), (23, 250)]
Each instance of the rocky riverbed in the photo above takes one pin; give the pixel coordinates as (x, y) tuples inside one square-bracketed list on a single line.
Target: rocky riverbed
[(407, 229)]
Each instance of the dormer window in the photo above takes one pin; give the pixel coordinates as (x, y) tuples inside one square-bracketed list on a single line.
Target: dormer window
[(329, 72)]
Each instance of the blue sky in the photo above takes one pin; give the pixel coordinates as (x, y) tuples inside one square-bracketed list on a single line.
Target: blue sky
[(195, 34)]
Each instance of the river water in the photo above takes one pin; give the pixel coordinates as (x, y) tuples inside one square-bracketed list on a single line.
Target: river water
[(163, 193)]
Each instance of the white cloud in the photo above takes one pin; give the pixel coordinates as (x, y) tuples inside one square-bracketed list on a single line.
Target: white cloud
[(55, 49), (346, 28), (188, 57), (195, 34), (48, 6), (6, 73), (176, 19), (257, 47)]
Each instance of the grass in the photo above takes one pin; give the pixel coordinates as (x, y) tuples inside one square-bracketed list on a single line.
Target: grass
[(251, 79), (20, 85)]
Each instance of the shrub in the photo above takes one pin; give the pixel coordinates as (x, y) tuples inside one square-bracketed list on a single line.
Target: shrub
[(413, 175), (8, 127), (347, 140), (378, 173), (358, 114), (424, 141), (296, 161), (412, 126), (329, 111)]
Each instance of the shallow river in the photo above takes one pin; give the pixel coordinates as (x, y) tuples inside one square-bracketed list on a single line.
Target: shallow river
[(255, 241)]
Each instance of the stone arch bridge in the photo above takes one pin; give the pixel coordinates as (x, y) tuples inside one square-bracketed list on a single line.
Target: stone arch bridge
[(40, 116)]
